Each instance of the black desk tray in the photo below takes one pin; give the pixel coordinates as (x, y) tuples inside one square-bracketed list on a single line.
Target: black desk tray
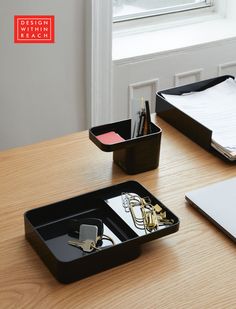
[(183, 122), (46, 228)]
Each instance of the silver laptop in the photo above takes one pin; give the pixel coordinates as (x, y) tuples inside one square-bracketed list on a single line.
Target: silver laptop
[(218, 203)]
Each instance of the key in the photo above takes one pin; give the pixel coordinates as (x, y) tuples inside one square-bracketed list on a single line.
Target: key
[(86, 246), (88, 238)]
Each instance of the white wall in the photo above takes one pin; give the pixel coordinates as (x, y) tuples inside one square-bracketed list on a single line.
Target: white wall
[(42, 86), (231, 9)]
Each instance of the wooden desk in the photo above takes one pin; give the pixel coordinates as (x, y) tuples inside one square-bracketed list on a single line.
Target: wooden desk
[(194, 268)]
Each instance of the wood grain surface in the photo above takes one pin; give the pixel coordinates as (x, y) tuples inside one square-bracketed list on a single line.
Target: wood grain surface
[(193, 268)]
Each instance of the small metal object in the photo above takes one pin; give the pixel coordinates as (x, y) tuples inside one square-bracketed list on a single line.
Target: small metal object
[(86, 245), (88, 235), (151, 215), (89, 238), (166, 222), (106, 237), (157, 208)]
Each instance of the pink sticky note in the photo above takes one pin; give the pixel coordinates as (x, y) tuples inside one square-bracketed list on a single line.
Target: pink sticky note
[(110, 138)]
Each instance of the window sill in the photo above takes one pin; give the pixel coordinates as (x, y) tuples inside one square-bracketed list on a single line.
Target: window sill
[(130, 46)]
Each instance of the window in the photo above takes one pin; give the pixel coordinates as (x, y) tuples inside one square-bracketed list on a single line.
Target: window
[(124, 10)]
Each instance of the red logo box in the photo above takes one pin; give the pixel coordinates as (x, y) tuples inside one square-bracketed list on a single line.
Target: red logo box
[(34, 29)]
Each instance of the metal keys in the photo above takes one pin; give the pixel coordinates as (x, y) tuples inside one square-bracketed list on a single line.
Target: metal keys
[(86, 245), (89, 238)]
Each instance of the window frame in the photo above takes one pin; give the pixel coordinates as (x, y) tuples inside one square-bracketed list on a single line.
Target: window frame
[(161, 22), (209, 4)]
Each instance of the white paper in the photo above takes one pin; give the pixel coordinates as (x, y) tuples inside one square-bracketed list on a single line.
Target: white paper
[(215, 108)]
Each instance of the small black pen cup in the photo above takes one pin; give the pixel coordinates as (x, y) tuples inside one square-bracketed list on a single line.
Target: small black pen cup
[(133, 155)]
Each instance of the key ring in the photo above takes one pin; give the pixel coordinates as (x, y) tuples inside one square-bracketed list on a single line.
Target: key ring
[(103, 237), (106, 237)]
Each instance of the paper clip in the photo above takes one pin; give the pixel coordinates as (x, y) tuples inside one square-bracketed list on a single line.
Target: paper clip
[(145, 216)]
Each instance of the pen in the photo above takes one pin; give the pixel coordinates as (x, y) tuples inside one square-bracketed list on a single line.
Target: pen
[(142, 118), (141, 122), (147, 125)]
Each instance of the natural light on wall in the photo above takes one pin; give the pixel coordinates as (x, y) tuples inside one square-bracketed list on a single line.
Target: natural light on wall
[(132, 9)]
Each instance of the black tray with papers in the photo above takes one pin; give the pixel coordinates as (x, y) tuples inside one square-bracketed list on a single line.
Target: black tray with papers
[(189, 121)]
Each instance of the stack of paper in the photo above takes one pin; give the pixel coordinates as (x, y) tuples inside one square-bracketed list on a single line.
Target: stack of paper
[(215, 108)]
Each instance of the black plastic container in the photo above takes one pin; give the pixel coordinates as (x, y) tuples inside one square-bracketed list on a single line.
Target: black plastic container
[(183, 122), (133, 155), (47, 230)]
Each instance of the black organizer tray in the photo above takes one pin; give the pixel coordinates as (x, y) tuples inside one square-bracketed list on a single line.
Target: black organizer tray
[(183, 122), (46, 228)]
